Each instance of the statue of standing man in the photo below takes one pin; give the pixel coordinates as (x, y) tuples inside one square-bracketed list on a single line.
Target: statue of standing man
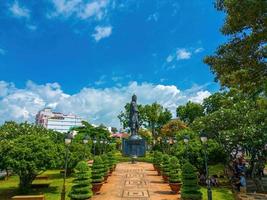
[(134, 123)]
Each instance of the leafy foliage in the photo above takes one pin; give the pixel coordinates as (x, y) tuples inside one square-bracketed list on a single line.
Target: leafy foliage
[(189, 112), (174, 167), (112, 159), (166, 164), (190, 188), (157, 159), (27, 150), (106, 163), (98, 170), (82, 188), (241, 63), (172, 127)]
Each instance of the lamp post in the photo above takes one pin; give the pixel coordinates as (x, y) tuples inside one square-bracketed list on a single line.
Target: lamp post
[(101, 145), (186, 141), (94, 141), (68, 140), (204, 140), (85, 141)]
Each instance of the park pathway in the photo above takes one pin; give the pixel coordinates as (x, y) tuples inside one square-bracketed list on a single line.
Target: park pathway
[(135, 182)]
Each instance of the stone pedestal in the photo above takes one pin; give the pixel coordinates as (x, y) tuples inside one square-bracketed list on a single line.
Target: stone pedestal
[(134, 146)]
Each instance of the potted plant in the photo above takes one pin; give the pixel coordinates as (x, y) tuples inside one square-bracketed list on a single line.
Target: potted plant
[(155, 155), (106, 166), (97, 174), (190, 187), (174, 175), (82, 188), (165, 167), (158, 162), (112, 162)]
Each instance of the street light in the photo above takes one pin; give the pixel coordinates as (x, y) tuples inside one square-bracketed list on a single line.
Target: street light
[(186, 141), (86, 139), (94, 141), (204, 139), (68, 140)]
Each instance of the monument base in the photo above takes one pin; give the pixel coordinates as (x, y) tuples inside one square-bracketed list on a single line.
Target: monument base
[(134, 146)]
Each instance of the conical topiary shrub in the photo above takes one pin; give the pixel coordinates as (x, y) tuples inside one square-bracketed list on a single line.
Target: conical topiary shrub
[(97, 173), (158, 161), (106, 166), (165, 167), (190, 188), (82, 188), (174, 174), (112, 161)]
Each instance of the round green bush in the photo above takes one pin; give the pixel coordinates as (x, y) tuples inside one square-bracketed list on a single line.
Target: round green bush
[(82, 188), (98, 170), (175, 170), (190, 188)]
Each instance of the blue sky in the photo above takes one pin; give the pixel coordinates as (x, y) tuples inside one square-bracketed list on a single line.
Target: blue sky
[(72, 46)]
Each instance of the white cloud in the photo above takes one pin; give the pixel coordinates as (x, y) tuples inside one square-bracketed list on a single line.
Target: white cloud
[(183, 54), (19, 11), (102, 32), (96, 105), (2, 52), (153, 17), (200, 96), (198, 50), (101, 80), (79, 8), (31, 27), (169, 58), (95, 8)]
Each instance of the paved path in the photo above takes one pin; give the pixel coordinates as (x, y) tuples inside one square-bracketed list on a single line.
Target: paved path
[(135, 182)]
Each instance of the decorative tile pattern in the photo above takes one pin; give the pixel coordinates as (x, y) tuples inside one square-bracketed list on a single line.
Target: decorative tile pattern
[(135, 193)]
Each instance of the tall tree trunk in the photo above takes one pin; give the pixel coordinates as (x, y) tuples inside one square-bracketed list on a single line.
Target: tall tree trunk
[(7, 174), (25, 182)]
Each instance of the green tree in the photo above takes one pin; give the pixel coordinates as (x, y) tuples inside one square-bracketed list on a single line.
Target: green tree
[(82, 188), (189, 112), (240, 123), (241, 62), (124, 115), (156, 117), (29, 156), (172, 127), (190, 188), (152, 116), (28, 150)]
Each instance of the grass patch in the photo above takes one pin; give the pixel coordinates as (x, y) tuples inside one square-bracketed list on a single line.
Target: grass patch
[(217, 169), (120, 158), (9, 187), (218, 193)]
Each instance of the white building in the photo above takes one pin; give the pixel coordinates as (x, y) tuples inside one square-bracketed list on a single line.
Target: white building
[(57, 121)]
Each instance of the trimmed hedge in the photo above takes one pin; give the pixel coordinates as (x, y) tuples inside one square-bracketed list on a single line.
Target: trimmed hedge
[(106, 164), (166, 164), (190, 188), (158, 159), (112, 159), (98, 169), (175, 170), (82, 188)]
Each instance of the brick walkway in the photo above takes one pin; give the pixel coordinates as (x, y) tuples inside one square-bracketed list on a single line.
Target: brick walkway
[(135, 182)]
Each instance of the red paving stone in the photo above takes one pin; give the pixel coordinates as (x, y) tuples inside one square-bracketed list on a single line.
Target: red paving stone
[(135, 182)]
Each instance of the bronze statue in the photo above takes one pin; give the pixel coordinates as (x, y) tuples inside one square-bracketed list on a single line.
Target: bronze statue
[(133, 122)]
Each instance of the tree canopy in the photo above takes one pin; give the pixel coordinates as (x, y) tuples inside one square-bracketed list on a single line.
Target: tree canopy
[(241, 62)]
